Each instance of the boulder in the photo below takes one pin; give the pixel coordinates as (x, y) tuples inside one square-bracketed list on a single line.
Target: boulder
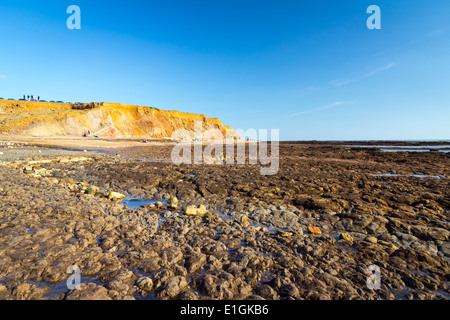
[(289, 290), (244, 221), (93, 190), (28, 169), (371, 239), (145, 284), (172, 287), (346, 237), (190, 210), (195, 263), (173, 202), (314, 231), (284, 234), (115, 196), (194, 211), (90, 291), (438, 234)]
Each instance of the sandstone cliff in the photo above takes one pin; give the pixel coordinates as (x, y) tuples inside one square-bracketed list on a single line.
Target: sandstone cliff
[(102, 119)]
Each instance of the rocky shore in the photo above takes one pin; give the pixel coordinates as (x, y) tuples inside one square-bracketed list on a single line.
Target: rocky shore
[(225, 231)]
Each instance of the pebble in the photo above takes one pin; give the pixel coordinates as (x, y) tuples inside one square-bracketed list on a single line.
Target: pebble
[(371, 239)]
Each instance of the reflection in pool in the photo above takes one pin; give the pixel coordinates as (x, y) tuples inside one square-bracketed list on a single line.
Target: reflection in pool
[(406, 148), (411, 175), (61, 288), (133, 203), (403, 150)]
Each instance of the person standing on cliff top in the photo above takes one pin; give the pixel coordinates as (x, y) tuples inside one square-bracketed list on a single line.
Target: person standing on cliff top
[(28, 97)]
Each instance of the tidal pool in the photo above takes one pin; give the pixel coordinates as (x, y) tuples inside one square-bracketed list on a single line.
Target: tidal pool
[(133, 203), (406, 148), (411, 175), (61, 288)]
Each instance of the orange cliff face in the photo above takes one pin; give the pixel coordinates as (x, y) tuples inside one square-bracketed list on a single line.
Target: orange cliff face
[(102, 119)]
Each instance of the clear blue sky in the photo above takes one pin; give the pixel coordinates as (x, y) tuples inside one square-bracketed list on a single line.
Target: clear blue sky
[(309, 68)]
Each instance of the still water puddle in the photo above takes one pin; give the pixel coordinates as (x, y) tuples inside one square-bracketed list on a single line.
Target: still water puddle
[(133, 203), (61, 288), (443, 148), (411, 175), (340, 246), (403, 150), (400, 147)]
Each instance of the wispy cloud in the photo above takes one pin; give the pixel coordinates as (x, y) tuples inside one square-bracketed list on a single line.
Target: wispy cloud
[(2, 76), (328, 106), (342, 82), (436, 32), (384, 68)]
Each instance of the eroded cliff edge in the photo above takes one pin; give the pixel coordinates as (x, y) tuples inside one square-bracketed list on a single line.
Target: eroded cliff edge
[(103, 119)]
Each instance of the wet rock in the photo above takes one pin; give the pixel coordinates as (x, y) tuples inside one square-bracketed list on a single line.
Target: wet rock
[(22, 291), (266, 292), (28, 170), (284, 234), (74, 159), (316, 203), (346, 237), (254, 297), (84, 183), (289, 290), (438, 234), (89, 291), (214, 287), (171, 255), (188, 295), (412, 283), (120, 287), (195, 262), (172, 287), (92, 190), (241, 288), (67, 181), (371, 239), (114, 196), (314, 231), (150, 265), (213, 263), (278, 282), (193, 210), (145, 284), (173, 202), (179, 270), (161, 276), (445, 249), (318, 252), (244, 221)]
